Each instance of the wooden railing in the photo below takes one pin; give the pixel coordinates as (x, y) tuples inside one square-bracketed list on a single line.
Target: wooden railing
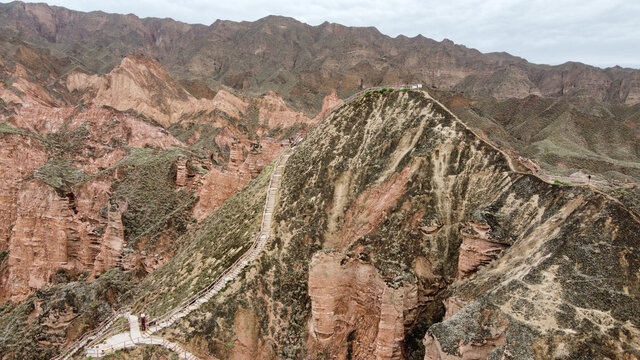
[(169, 318), (96, 333)]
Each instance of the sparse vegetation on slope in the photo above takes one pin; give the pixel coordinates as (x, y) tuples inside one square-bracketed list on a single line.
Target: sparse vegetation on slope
[(61, 174), (147, 187), (392, 188), (42, 318), (145, 352), (208, 249)]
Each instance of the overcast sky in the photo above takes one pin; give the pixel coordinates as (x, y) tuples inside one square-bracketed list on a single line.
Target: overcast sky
[(597, 32)]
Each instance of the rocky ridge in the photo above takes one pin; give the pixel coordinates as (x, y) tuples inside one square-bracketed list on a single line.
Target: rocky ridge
[(456, 240), (385, 251)]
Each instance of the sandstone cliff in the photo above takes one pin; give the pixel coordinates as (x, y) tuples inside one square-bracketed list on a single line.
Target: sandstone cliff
[(88, 187), (57, 193)]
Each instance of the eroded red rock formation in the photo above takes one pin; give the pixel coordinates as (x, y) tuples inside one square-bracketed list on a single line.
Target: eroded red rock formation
[(77, 228), (220, 184), (181, 171), (355, 311), (329, 103), (476, 249)]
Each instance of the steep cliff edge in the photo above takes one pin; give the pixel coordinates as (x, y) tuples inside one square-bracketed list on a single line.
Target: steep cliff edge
[(396, 225)]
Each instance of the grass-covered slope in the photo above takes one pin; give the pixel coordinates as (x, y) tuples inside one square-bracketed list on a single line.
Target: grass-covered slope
[(147, 187), (33, 328), (207, 250)]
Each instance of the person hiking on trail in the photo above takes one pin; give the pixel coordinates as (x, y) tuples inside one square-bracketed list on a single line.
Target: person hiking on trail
[(589, 179)]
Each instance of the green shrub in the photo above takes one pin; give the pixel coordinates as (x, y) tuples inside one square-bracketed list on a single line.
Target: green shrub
[(558, 182), (8, 129), (61, 174)]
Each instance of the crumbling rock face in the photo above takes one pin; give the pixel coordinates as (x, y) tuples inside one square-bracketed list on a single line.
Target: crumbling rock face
[(63, 229), (275, 114), (354, 311), (38, 239), (112, 241), (493, 330), (181, 171), (564, 288), (219, 185), (19, 156), (141, 84), (39, 118), (476, 249), (50, 234), (329, 103), (230, 104), (248, 344)]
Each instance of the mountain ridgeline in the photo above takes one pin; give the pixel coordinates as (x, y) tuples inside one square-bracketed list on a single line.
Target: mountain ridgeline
[(300, 61), (401, 234), (560, 116)]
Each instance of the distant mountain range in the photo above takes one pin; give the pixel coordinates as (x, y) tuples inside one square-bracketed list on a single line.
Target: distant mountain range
[(302, 62)]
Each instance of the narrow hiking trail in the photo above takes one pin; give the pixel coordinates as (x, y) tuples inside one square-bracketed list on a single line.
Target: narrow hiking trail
[(134, 336)]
